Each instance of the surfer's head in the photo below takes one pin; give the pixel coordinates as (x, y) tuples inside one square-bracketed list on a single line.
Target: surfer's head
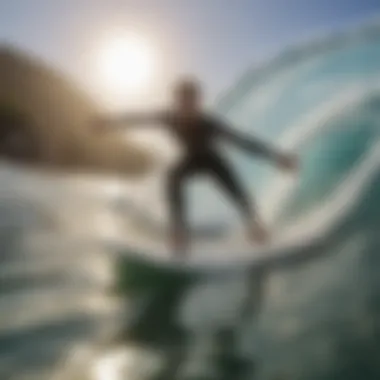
[(187, 95)]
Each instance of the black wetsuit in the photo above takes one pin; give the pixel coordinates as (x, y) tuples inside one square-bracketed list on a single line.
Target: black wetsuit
[(199, 138)]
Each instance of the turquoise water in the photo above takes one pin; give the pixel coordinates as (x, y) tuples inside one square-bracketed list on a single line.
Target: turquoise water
[(78, 302)]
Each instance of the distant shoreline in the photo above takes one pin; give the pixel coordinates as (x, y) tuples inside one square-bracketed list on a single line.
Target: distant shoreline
[(46, 120)]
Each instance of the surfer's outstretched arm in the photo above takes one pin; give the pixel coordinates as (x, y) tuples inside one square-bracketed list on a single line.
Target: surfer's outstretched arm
[(258, 148), (250, 144), (133, 119)]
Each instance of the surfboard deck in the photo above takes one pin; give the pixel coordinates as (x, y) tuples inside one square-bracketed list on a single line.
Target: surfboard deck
[(214, 257)]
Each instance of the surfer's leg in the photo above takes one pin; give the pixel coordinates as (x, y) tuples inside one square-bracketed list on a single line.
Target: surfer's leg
[(175, 198), (227, 178)]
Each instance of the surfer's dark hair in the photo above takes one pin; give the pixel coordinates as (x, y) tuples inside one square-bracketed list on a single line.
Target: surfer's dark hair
[(188, 85)]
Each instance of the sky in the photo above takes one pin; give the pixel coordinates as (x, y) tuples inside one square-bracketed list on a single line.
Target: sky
[(215, 40)]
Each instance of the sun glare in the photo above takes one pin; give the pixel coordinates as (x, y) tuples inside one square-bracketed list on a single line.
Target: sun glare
[(127, 64)]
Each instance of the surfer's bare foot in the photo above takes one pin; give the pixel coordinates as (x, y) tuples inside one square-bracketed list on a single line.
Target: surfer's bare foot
[(179, 244), (258, 232)]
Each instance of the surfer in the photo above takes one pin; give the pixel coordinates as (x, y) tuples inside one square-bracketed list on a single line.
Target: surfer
[(198, 132)]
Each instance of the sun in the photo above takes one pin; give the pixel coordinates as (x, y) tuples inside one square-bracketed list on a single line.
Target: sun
[(127, 64)]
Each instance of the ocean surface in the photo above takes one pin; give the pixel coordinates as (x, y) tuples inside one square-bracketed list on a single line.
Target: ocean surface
[(81, 300)]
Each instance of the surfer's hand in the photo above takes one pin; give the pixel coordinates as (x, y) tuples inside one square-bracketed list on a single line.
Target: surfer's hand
[(100, 124), (288, 162)]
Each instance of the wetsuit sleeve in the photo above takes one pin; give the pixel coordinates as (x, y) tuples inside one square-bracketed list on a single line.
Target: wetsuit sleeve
[(250, 144), (130, 120)]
